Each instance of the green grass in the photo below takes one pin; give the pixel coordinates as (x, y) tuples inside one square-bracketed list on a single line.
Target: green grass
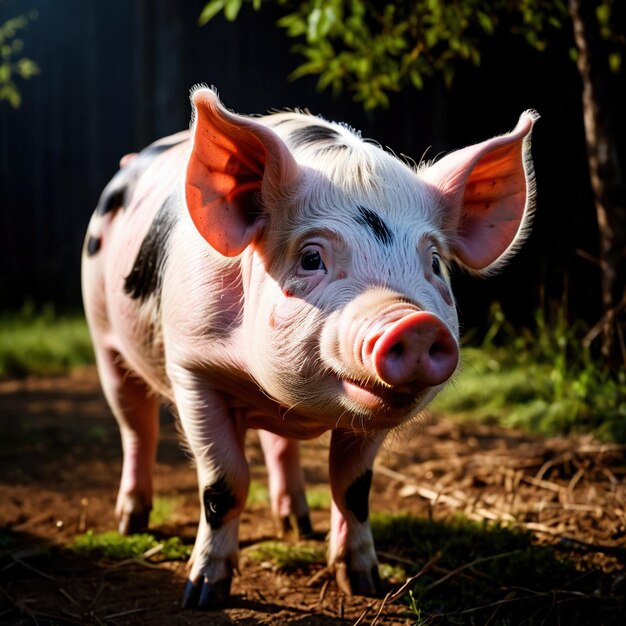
[(288, 557), (42, 342), (540, 379), (318, 498), (162, 509), (488, 574), (115, 547), (258, 494)]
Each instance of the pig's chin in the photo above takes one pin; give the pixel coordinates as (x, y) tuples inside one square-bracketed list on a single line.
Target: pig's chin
[(384, 406)]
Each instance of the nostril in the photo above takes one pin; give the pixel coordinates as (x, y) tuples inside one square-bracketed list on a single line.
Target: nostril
[(438, 348), (397, 350)]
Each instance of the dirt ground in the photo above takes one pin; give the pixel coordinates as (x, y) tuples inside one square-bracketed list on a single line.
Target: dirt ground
[(60, 462)]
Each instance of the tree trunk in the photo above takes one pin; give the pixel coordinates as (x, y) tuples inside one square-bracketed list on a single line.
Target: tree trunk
[(607, 179)]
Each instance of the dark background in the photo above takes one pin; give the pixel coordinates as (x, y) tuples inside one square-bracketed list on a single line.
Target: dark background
[(115, 76)]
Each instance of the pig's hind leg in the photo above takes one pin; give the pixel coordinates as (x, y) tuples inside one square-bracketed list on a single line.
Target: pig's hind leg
[(137, 412), (286, 484)]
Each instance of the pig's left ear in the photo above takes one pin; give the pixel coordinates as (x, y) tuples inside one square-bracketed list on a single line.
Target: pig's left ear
[(487, 191), (234, 161)]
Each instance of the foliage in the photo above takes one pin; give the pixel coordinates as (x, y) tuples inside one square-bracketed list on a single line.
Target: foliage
[(42, 342), (541, 379), (12, 64), (288, 557), (375, 48), (484, 573), (116, 547)]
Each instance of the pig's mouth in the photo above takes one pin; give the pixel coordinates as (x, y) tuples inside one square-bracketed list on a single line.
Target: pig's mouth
[(376, 397)]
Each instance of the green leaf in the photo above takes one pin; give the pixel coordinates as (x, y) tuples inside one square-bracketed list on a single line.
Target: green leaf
[(313, 25), (486, 22), (603, 13), (295, 25), (231, 10), (306, 69), (615, 62), (416, 79), (210, 10), (27, 68), (9, 93)]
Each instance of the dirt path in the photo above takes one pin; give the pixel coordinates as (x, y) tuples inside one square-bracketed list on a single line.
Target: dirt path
[(60, 460)]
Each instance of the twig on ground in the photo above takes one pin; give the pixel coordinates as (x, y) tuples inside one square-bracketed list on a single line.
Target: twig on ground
[(392, 596), (469, 565), (125, 613), (19, 561), (68, 596)]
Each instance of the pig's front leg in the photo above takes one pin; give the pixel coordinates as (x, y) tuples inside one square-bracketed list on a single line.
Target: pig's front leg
[(215, 435), (351, 549), (286, 484)]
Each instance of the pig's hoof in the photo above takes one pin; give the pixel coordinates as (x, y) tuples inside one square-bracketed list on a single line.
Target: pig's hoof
[(358, 582), (135, 522), (207, 596), (299, 526)]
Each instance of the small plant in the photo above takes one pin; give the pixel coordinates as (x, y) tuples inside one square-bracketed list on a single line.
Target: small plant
[(288, 557), (116, 547)]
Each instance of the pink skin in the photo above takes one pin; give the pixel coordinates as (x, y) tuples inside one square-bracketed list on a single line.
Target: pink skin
[(137, 412), (286, 481), (281, 307)]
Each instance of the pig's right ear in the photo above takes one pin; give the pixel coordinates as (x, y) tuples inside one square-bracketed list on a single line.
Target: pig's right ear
[(234, 161)]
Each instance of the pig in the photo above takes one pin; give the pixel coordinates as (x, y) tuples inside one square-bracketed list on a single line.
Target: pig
[(280, 273)]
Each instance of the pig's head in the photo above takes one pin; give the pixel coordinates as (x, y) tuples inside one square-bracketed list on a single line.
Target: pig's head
[(349, 315)]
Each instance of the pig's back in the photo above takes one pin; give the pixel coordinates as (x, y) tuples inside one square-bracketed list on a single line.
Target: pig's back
[(125, 251)]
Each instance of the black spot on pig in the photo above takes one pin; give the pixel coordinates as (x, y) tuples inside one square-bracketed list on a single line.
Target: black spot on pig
[(93, 246), (310, 135), (119, 192), (357, 496), (145, 277), (375, 224), (218, 500)]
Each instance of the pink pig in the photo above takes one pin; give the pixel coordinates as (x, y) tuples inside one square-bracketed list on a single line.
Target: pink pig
[(281, 273)]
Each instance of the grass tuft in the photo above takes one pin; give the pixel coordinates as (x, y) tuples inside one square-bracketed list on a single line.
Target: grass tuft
[(115, 547), (318, 498), (162, 509), (288, 557)]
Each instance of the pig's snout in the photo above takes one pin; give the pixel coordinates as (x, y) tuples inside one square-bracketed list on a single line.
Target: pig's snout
[(417, 349)]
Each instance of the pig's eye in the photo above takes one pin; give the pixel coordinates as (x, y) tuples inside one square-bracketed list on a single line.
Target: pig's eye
[(436, 264), (311, 261)]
